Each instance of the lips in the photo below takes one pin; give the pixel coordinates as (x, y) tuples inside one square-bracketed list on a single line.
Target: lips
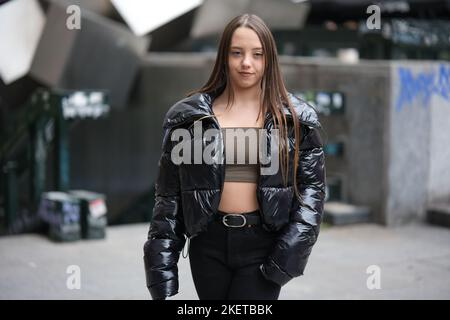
[(245, 74)]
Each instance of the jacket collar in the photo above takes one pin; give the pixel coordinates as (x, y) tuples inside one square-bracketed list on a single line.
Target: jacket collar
[(199, 106)]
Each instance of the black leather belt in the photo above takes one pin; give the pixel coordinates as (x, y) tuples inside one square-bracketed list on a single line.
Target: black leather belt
[(238, 220)]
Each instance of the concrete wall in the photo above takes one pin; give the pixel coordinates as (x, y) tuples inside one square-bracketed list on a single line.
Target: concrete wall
[(419, 139), (395, 129), (361, 127), (439, 174)]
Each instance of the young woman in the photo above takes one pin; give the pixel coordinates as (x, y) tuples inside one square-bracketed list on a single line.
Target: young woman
[(251, 228)]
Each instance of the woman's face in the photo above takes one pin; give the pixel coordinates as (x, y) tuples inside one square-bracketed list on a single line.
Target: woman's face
[(245, 59)]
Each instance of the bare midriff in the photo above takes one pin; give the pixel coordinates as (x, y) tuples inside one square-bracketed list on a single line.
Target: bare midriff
[(238, 197)]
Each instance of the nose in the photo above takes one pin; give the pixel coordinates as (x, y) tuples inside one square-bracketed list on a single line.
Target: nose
[(246, 61)]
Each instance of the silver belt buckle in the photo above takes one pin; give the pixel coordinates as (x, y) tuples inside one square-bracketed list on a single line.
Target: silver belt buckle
[(244, 219)]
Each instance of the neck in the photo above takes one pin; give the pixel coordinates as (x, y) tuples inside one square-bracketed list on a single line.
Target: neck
[(246, 97)]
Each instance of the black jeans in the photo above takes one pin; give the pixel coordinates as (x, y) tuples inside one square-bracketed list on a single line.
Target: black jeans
[(225, 263)]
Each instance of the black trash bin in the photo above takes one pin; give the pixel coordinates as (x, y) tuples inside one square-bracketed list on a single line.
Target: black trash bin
[(93, 219), (61, 212)]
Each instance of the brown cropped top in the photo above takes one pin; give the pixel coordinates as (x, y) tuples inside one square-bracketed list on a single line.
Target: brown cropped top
[(241, 153)]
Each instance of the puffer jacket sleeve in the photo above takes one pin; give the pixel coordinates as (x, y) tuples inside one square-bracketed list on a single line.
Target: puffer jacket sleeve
[(166, 235), (291, 252)]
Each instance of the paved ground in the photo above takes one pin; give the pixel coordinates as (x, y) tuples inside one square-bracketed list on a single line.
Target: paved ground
[(414, 263)]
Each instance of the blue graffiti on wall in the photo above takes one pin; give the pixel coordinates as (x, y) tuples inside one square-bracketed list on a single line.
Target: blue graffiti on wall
[(423, 86)]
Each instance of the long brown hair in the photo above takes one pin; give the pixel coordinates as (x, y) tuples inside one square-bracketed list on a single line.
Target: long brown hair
[(273, 90)]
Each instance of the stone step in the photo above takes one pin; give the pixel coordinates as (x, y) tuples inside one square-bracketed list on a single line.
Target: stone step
[(439, 214), (341, 213)]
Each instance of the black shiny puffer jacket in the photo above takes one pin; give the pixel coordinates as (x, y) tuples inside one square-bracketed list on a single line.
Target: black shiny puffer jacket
[(188, 196)]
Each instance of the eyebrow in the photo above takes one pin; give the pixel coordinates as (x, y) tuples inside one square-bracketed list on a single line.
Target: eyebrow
[(234, 47)]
